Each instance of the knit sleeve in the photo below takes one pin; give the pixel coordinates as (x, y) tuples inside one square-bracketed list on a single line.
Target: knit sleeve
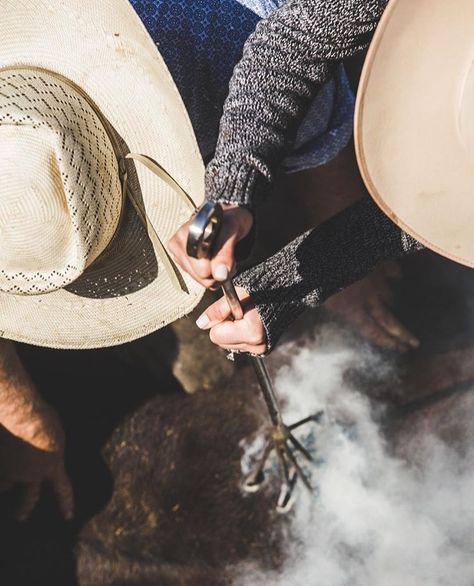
[(321, 262), (288, 57)]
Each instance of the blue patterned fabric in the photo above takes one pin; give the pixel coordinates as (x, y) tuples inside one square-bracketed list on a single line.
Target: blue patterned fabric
[(201, 41)]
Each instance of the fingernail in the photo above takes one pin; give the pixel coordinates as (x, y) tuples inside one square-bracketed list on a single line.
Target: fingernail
[(221, 272), (202, 321)]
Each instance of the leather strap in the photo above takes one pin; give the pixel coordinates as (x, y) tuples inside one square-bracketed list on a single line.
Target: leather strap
[(168, 264)]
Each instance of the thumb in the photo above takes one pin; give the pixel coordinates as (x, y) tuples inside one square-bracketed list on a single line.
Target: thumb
[(223, 262), (220, 311), (216, 313)]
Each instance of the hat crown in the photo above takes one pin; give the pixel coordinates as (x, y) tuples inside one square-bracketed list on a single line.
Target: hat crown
[(60, 194)]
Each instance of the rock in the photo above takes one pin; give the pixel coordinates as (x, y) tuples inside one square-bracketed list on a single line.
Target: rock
[(177, 514)]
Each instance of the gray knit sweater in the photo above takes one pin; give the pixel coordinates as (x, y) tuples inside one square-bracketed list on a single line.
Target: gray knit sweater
[(285, 61)]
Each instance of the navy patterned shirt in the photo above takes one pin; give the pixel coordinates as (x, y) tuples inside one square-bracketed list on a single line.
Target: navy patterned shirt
[(201, 41)]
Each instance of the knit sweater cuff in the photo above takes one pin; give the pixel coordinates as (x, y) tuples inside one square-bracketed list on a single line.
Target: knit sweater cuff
[(321, 262), (274, 286), (241, 183)]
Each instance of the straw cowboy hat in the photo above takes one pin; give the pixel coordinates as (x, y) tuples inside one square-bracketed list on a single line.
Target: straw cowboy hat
[(82, 218), (414, 126)]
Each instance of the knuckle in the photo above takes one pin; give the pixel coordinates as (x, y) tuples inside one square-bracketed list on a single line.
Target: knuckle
[(207, 283), (176, 250), (259, 349), (219, 312), (202, 271), (177, 240), (179, 261), (172, 244), (213, 336), (256, 334), (255, 339)]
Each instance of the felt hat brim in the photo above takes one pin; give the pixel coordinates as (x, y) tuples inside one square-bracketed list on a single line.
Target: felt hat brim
[(414, 123)]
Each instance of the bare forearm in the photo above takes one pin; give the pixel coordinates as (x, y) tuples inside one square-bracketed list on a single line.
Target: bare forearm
[(22, 410)]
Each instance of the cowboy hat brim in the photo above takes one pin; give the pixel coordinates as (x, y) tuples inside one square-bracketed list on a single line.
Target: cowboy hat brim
[(414, 123), (103, 48)]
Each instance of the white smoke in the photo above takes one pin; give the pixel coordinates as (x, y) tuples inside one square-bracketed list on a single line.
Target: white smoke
[(377, 519)]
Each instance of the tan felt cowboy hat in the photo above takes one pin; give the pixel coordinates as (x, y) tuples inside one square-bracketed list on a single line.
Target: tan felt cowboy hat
[(83, 226), (414, 122)]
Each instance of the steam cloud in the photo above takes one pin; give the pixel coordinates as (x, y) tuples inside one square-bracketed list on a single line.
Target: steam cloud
[(378, 518)]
